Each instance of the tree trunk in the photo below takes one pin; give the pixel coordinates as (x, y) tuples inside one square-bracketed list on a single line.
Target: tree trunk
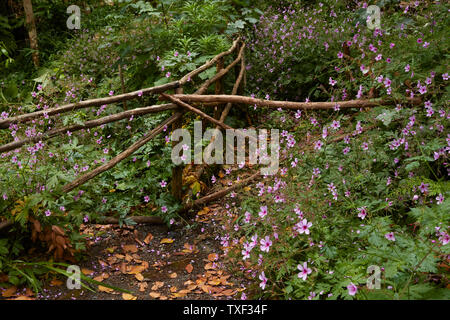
[(31, 27)]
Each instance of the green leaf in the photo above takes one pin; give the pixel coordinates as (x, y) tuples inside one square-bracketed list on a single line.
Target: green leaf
[(386, 116), (10, 92), (207, 74), (161, 81), (195, 187), (413, 165)]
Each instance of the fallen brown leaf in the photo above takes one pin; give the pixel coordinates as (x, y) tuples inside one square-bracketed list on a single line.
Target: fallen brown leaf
[(179, 294), (204, 211), (128, 258), (213, 257), (102, 263), (184, 291), (173, 289), (136, 269), (130, 248), (139, 276), (205, 288), (148, 238), (99, 278), (56, 283), (188, 248), (127, 296), (228, 292), (111, 260), (143, 286), (23, 298), (157, 285), (192, 287), (11, 291), (209, 266), (214, 282), (136, 257), (86, 272), (123, 267), (105, 289)]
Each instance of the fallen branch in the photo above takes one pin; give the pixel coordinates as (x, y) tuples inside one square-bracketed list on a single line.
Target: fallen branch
[(176, 116), (221, 193), (5, 123), (88, 124), (95, 102), (221, 73), (210, 63), (218, 89), (195, 110), (205, 116), (5, 224), (135, 146), (88, 103), (137, 219), (236, 85), (225, 112), (286, 104)]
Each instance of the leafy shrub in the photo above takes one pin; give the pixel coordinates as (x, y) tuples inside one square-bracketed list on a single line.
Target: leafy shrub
[(365, 189), (152, 45)]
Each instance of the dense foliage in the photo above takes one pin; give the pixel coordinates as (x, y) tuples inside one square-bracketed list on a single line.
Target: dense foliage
[(369, 188), (152, 45)]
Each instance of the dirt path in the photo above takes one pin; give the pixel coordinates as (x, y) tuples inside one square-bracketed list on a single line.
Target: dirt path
[(155, 262)]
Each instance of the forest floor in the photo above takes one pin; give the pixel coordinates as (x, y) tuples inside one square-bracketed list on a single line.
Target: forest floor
[(151, 262)]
